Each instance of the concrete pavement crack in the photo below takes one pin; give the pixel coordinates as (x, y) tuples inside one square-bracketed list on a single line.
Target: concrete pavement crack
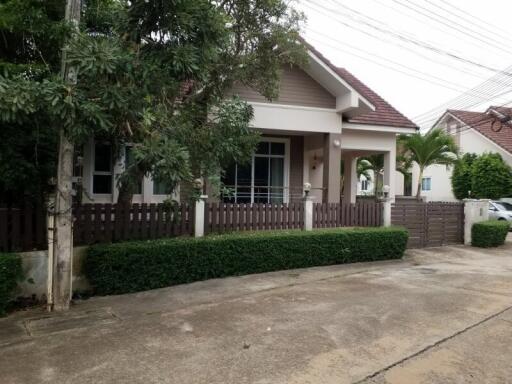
[(431, 346)]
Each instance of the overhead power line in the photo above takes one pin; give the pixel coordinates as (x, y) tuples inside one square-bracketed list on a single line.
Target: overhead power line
[(488, 31), (432, 79), (502, 31), (470, 124), (434, 16), (329, 11), (471, 41), (446, 31), (462, 100), (426, 57)]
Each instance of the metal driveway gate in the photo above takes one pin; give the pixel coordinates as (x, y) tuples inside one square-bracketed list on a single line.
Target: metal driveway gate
[(430, 224)]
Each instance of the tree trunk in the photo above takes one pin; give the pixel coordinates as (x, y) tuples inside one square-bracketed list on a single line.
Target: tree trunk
[(418, 191), (127, 187), (125, 195), (62, 258)]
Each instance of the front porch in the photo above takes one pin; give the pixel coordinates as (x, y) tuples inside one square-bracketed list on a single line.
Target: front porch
[(328, 161)]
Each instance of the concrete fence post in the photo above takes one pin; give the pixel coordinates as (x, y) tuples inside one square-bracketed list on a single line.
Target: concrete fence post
[(474, 212), (386, 212), (199, 216), (308, 213)]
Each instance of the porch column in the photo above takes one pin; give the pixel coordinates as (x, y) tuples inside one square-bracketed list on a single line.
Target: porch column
[(350, 176), (389, 172), (332, 168)]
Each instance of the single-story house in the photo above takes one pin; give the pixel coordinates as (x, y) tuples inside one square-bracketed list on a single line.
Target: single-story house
[(323, 114), (474, 132)]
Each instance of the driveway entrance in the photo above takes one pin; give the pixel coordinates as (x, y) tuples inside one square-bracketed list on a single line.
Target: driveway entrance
[(431, 224), (443, 315)]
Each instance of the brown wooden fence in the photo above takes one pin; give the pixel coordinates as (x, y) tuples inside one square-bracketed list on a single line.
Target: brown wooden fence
[(104, 223), (22, 229), (252, 217), (361, 214), (430, 224)]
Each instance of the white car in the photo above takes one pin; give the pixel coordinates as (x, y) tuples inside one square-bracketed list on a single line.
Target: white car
[(500, 210)]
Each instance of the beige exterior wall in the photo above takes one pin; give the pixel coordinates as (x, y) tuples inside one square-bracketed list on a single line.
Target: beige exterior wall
[(296, 168), (296, 88)]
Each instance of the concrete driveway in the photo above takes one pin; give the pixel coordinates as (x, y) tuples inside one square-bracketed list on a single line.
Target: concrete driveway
[(440, 316)]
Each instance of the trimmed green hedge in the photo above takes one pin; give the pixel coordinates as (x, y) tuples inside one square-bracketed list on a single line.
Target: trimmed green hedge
[(10, 273), (138, 266), (490, 233)]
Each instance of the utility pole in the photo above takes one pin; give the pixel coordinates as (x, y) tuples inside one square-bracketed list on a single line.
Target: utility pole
[(61, 261)]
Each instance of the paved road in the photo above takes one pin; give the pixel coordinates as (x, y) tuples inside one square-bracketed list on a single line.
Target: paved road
[(440, 316)]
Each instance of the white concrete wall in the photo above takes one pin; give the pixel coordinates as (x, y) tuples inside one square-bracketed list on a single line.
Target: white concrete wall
[(289, 118), (441, 183), (35, 269), (399, 184), (474, 142), (364, 142)]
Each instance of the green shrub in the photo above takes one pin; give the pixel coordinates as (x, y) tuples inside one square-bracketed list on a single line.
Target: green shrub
[(10, 273), (138, 266), (490, 233)]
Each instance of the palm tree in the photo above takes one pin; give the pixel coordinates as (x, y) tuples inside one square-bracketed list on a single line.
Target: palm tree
[(435, 147), (404, 165), (374, 164)]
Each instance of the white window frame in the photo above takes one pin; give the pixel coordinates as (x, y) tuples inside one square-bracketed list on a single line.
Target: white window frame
[(286, 173), (429, 184), (365, 184)]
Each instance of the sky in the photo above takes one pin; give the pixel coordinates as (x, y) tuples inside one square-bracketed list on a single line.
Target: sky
[(422, 56)]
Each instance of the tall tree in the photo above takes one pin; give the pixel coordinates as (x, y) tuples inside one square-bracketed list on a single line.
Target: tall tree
[(462, 176), (31, 34), (156, 74), (434, 147), (491, 177)]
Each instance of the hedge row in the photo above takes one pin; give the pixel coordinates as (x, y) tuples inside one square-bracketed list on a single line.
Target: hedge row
[(490, 233), (10, 273), (138, 266)]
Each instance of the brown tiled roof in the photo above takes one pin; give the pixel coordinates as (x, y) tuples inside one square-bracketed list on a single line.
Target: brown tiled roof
[(483, 123), (384, 114)]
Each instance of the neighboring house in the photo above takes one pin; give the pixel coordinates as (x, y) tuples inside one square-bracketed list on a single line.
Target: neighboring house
[(474, 132), (323, 114)]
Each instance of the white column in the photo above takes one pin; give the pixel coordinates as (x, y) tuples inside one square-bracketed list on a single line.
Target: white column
[(350, 177), (332, 168), (199, 216), (474, 212), (147, 189), (386, 212), (308, 213), (389, 172)]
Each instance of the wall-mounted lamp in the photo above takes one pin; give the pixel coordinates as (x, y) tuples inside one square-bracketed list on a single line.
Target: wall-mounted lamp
[(385, 190), (198, 184), (336, 143), (307, 189)]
